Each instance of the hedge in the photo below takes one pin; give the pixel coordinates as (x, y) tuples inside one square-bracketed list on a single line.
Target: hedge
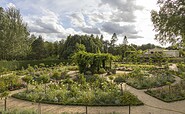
[(17, 65)]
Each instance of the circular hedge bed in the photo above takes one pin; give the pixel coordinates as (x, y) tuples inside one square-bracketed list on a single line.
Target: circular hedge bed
[(89, 90)]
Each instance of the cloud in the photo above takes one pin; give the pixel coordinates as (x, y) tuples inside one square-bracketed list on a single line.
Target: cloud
[(91, 30), (124, 5), (9, 5), (133, 36), (123, 10), (111, 27), (77, 19), (47, 22), (122, 16), (59, 18)]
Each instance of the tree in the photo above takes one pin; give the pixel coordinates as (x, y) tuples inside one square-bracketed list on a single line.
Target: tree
[(113, 40), (91, 45), (80, 47), (111, 48), (124, 47), (5, 96), (38, 49), (120, 80), (49, 48), (13, 35), (27, 79), (169, 22), (44, 79)]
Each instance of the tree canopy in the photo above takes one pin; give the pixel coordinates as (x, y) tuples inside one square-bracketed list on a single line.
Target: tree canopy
[(169, 21), (91, 44), (13, 35), (91, 61)]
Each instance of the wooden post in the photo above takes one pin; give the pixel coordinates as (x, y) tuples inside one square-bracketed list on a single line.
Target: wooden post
[(85, 109), (5, 103), (129, 109)]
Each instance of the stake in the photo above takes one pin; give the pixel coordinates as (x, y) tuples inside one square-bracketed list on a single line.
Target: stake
[(85, 109), (5, 104)]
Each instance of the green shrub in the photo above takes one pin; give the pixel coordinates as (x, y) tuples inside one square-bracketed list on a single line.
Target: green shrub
[(102, 71)]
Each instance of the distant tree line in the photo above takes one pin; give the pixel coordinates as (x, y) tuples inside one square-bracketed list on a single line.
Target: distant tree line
[(16, 43)]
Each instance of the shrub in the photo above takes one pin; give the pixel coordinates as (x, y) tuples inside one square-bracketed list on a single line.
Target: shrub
[(56, 76), (102, 71)]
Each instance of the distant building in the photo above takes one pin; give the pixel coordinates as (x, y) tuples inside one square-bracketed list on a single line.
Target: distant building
[(165, 53)]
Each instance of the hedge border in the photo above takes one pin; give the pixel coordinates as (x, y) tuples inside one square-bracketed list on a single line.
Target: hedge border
[(76, 104), (17, 65)]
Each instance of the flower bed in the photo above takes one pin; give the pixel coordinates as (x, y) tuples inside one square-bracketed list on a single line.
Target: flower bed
[(170, 94), (82, 91), (11, 83), (142, 79)]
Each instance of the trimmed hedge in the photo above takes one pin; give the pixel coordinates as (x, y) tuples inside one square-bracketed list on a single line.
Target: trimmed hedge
[(17, 65)]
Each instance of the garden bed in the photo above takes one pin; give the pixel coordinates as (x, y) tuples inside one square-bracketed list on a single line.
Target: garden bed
[(170, 94), (142, 79), (11, 82), (91, 91)]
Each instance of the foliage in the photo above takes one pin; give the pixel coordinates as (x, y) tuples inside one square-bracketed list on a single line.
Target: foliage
[(84, 91), (19, 111), (91, 61), (142, 79), (176, 93), (169, 21), (91, 45), (18, 65), (37, 51), (10, 82), (102, 71), (14, 42), (27, 79), (181, 71)]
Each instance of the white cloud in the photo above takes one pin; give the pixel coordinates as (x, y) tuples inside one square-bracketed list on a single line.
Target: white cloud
[(77, 19), (58, 18), (9, 5)]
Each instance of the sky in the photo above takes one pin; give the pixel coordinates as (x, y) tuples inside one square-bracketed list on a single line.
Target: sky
[(56, 19)]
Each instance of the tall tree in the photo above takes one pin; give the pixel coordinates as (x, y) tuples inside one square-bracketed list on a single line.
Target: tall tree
[(13, 35), (91, 44), (124, 47), (169, 21), (38, 49), (113, 39)]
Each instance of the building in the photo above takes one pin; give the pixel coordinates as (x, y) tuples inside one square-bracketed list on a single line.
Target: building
[(163, 52)]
